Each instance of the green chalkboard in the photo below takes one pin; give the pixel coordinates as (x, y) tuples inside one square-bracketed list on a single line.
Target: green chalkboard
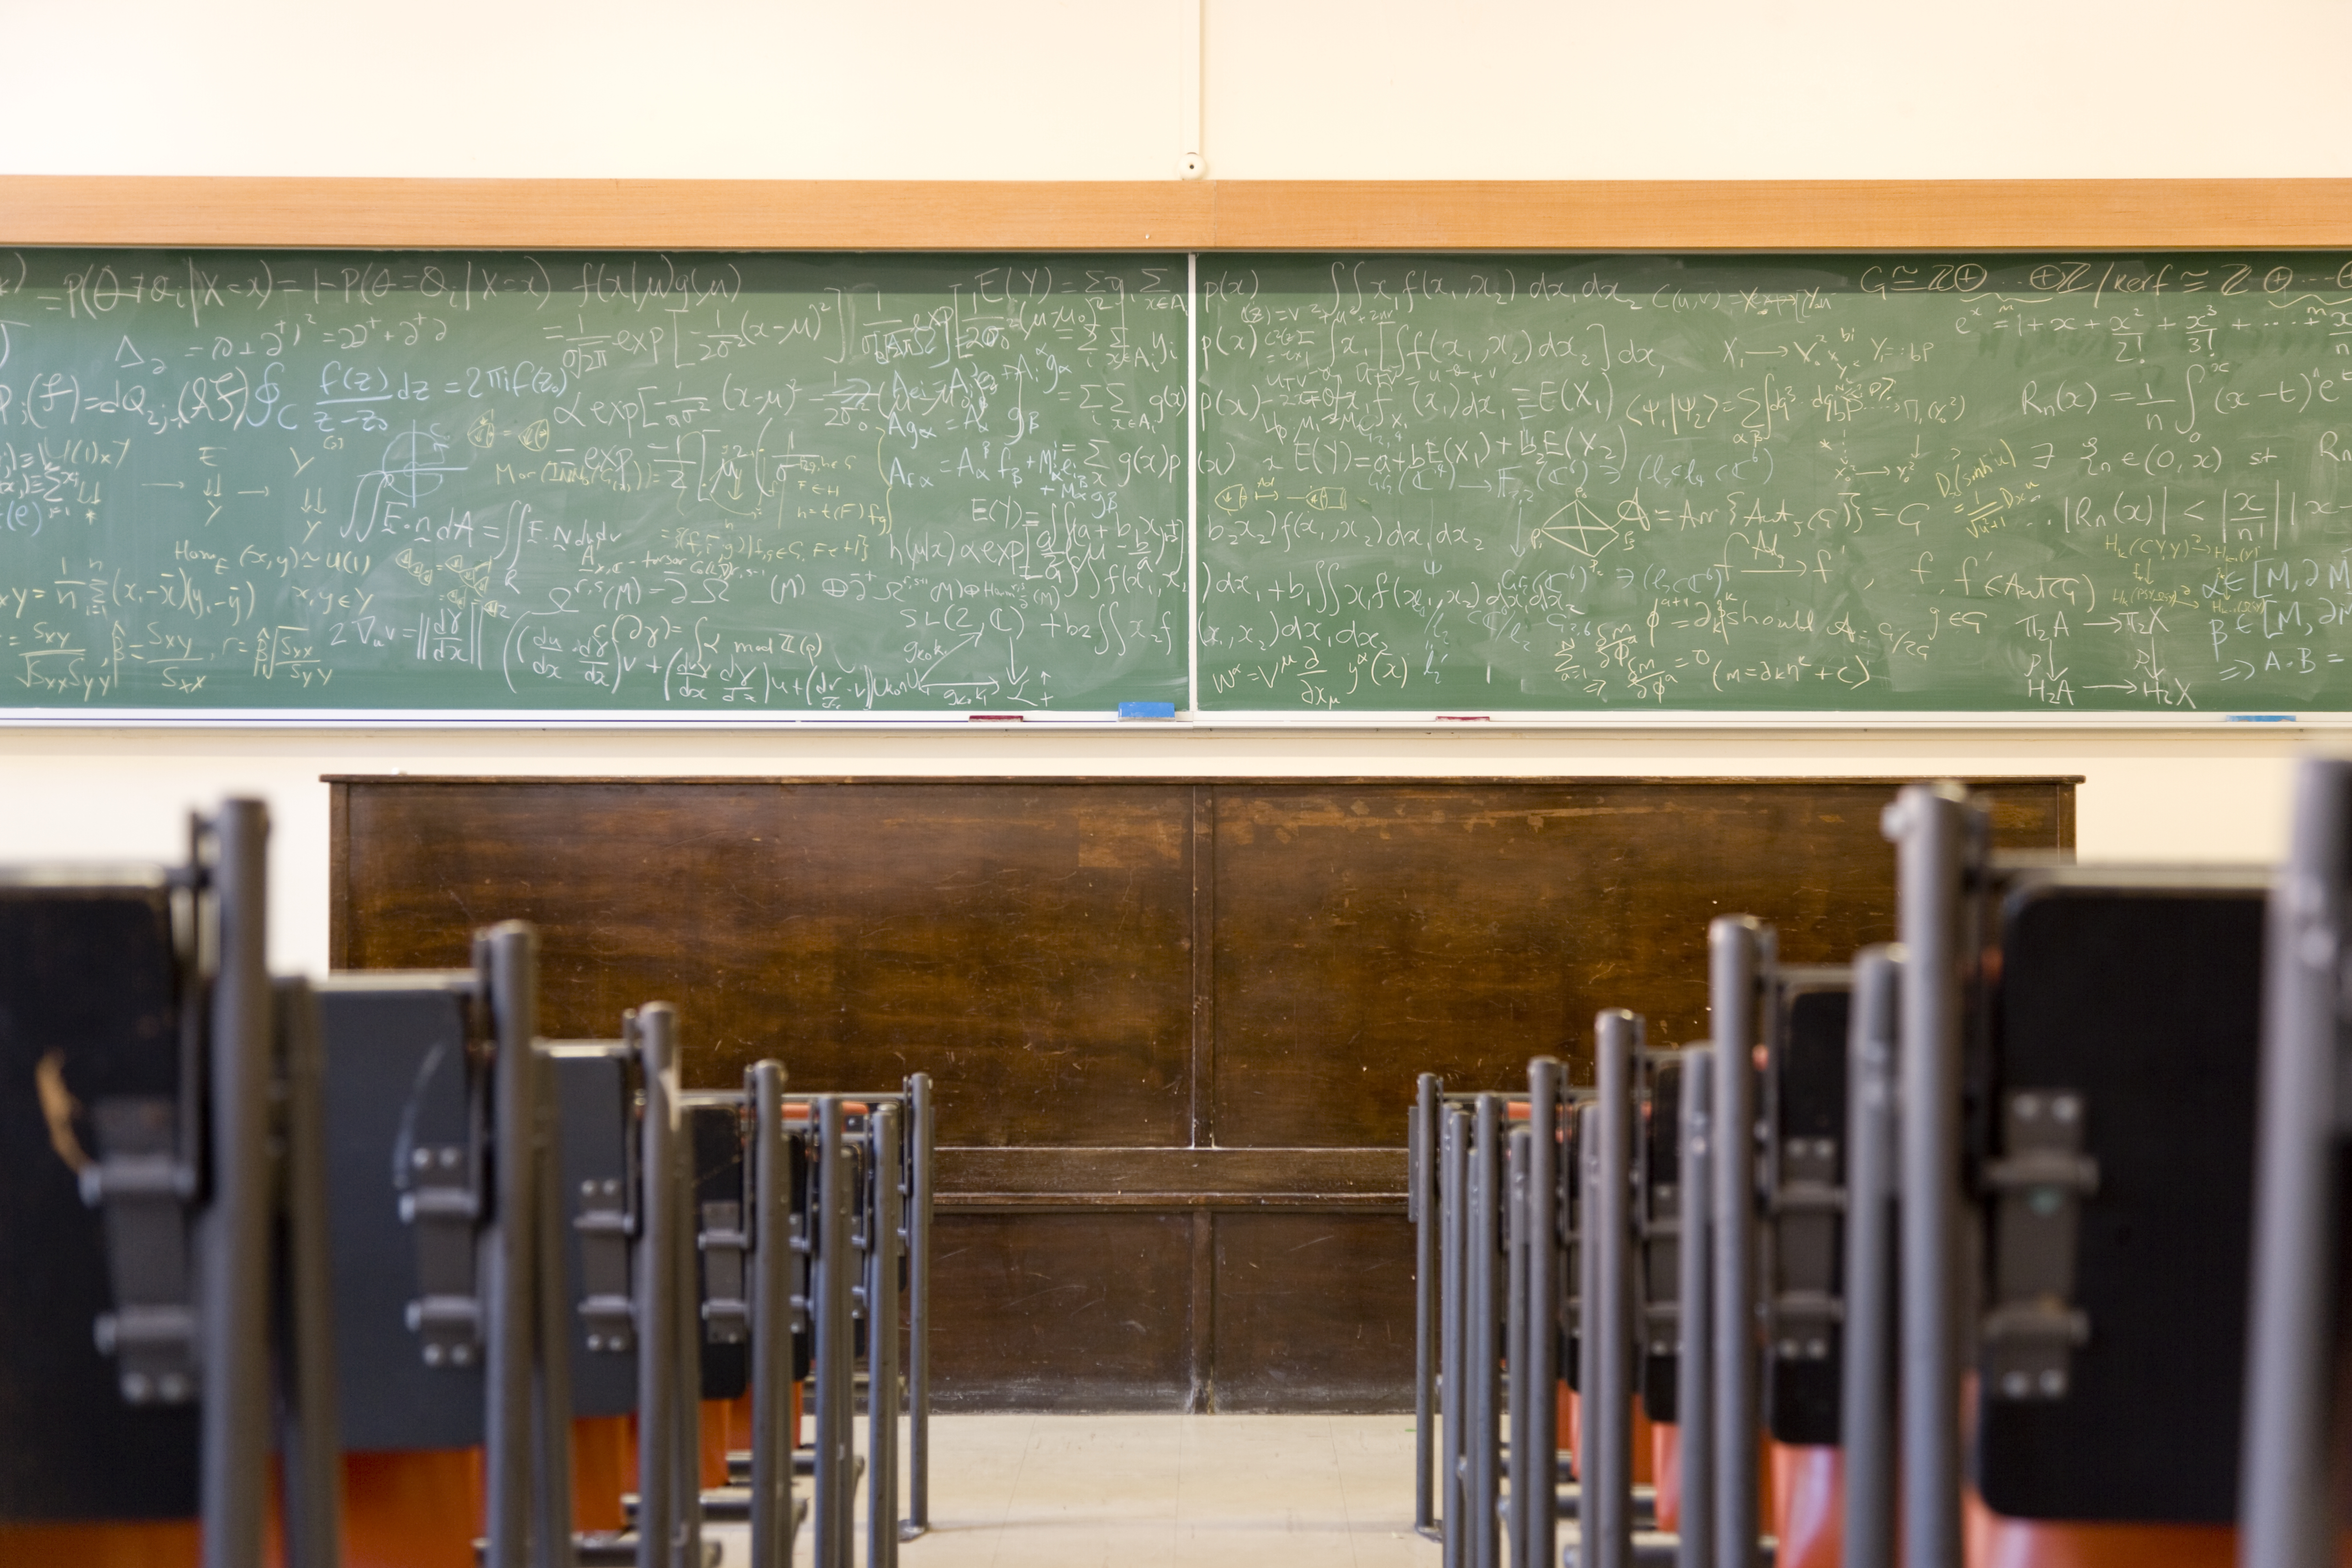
[(2069, 485), (717, 486), (730, 486)]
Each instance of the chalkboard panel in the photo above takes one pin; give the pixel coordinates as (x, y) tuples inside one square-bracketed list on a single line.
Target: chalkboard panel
[(1861, 484), (745, 487), (718, 485)]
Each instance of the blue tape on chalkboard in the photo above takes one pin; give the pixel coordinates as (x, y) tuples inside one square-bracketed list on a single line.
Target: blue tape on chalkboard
[(1147, 710)]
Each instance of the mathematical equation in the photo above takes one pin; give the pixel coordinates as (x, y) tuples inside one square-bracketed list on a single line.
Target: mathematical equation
[(1816, 483), (716, 484)]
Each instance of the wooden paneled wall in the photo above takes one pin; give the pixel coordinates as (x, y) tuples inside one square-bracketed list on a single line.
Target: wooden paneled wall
[(1174, 1024)]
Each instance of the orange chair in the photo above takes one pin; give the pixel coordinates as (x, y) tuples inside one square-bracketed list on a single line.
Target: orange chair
[(99, 973), (1807, 1504), (418, 1510), (715, 1424), (1992, 1541), (2111, 1155), (1667, 1470), (157, 1544), (604, 1466)]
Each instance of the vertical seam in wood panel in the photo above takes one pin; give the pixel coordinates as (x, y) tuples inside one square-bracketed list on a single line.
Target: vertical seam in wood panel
[(1201, 1320), (1203, 1130), (339, 876), (2065, 819)]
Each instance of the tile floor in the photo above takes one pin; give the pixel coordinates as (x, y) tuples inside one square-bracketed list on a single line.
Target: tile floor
[(1232, 1491)]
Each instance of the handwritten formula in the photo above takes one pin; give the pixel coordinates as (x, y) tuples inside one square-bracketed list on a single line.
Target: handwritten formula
[(728, 486), (1867, 483), (710, 484)]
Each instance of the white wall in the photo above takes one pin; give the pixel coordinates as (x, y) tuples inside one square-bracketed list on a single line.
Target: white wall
[(1065, 89), (1093, 89)]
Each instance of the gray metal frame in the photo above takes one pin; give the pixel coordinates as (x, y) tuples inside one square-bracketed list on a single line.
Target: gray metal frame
[(685, 1345), (1540, 1350), (310, 1423), (772, 1321), (506, 1254), (1482, 1351), (1605, 1517), (1695, 1400), (922, 1145), (889, 1146), (1455, 1198), (1740, 948), (232, 1321), (1493, 1212), (1421, 1205), (1929, 826), (2287, 1503), (551, 1538), (1522, 1464), (1478, 1249), (250, 1143), (831, 1362), (652, 1031), (1866, 1411), (880, 1238)]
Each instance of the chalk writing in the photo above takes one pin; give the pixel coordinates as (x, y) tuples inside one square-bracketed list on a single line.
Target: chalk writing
[(714, 485), (1819, 483)]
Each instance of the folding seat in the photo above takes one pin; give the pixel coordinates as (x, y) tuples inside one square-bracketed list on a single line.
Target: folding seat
[(1499, 1193), (453, 1251), (1777, 1063), (162, 1249), (564, 1357), (1459, 1152), (2078, 1084), (868, 1209)]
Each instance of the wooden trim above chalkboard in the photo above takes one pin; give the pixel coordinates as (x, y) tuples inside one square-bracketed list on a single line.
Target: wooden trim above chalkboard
[(1208, 215)]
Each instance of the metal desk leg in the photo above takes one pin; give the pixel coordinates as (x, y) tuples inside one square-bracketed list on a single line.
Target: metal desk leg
[(510, 959), (1607, 1423), (1695, 1376), (1421, 1163), (921, 1143), (1454, 1460), (654, 1030), (1484, 1354), (1866, 1395), (234, 1280), (1733, 943), (882, 1343), (1529, 1489), (771, 1321), (1541, 1541), (1927, 823)]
